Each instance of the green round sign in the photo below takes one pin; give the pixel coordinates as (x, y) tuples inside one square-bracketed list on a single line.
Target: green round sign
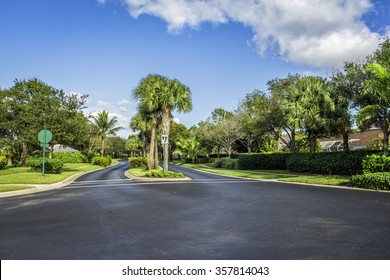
[(45, 136)]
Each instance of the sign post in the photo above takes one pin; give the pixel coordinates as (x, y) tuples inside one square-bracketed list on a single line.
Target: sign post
[(164, 142), (44, 136)]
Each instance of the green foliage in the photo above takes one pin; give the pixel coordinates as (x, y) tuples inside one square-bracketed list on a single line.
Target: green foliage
[(138, 162), (226, 163), (161, 174), (376, 181), (70, 157), (3, 162), (262, 161), (52, 166), (336, 163), (89, 156), (376, 163), (102, 161)]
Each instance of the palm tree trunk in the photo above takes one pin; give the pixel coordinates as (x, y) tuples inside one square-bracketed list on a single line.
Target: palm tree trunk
[(312, 142), (103, 142), (345, 141), (151, 152)]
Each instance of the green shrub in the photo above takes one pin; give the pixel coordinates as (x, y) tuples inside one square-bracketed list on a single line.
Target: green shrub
[(52, 166), (90, 155), (226, 163), (263, 161), (102, 161), (376, 163), (138, 162), (68, 157), (376, 181), (161, 174), (3, 162), (198, 160)]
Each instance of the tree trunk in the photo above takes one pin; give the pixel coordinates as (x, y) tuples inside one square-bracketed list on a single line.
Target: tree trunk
[(103, 142), (151, 152), (312, 142), (24, 154), (345, 141), (166, 122), (156, 159), (385, 129)]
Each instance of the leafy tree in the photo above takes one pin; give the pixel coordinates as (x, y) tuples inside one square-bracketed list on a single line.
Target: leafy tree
[(223, 129), (104, 126), (116, 146), (134, 145)]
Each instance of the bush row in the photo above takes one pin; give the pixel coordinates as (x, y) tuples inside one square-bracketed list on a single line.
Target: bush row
[(263, 161), (3, 162), (138, 162), (67, 157), (376, 181), (52, 166), (335, 163), (198, 160)]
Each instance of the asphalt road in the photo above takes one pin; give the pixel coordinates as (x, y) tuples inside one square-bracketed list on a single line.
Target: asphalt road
[(104, 215)]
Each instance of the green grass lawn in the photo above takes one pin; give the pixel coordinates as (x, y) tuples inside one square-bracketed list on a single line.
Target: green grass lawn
[(24, 175), (281, 175)]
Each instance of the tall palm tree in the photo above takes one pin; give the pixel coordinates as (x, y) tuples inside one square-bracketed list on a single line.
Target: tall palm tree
[(105, 126), (160, 95), (174, 96)]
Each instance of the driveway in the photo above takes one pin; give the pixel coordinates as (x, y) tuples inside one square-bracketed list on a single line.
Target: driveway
[(104, 215)]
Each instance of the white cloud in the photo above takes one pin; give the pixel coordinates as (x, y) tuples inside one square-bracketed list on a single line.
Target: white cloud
[(321, 33), (123, 102), (176, 120), (103, 104), (101, 2), (123, 109)]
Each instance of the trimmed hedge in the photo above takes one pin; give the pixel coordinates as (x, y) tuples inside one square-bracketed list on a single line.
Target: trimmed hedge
[(226, 163), (102, 161), (3, 162), (138, 162), (68, 157), (376, 181), (376, 163), (263, 161), (52, 166), (335, 163)]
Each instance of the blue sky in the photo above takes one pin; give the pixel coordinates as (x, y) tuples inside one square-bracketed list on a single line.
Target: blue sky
[(221, 49)]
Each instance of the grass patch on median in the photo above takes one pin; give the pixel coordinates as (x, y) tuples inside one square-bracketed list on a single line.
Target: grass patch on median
[(141, 172), (24, 175), (280, 175), (14, 188)]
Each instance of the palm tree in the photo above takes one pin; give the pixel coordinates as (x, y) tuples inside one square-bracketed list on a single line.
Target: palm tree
[(160, 95), (104, 126), (376, 90)]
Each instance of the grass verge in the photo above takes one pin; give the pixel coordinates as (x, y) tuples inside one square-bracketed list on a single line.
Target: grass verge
[(14, 188), (280, 175), (24, 175)]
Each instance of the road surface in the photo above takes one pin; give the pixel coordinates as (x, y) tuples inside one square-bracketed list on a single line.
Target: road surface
[(104, 215)]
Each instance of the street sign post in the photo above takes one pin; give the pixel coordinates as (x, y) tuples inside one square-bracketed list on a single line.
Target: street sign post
[(44, 136), (164, 142)]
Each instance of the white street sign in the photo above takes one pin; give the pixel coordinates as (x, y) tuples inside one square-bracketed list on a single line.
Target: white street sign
[(164, 139)]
